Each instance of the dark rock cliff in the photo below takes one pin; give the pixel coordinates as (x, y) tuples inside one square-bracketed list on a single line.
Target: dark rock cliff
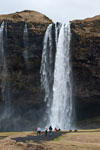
[(23, 104), (25, 97), (85, 46)]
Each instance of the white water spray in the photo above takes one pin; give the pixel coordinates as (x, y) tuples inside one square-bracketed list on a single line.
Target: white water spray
[(46, 73), (61, 108), (58, 96), (3, 63), (25, 38), (5, 85)]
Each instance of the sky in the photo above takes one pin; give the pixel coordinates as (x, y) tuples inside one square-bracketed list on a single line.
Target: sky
[(57, 10)]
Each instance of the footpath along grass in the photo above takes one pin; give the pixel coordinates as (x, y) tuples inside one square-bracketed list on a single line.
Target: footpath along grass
[(81, 140)]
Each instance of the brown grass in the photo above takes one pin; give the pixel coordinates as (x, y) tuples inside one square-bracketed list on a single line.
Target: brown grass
[(81, 140), (87, 19), (28, 16)]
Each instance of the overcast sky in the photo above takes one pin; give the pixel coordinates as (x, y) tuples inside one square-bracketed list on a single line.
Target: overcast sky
[(57, 10)]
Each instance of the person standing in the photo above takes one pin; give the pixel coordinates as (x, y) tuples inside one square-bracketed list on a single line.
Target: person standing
[(46, 132), (38, 131), (50, 130)]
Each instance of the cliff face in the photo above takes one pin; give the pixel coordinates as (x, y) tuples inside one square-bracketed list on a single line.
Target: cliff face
[(22, 43), (21, 97), (86, 66)]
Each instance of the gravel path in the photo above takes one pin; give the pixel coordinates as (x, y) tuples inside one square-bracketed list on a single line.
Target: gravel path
[(38, 138)]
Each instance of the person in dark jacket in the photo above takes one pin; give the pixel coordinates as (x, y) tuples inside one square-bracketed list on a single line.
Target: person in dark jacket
[(46, 132), (50, 130)]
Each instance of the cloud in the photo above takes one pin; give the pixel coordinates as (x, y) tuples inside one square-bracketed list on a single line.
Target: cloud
[(58, 10)]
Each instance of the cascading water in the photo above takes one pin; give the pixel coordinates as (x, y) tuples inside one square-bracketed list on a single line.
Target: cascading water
[(47, 68), (25, 39), (3, 62), (46, 61), (5, 86), (59, 112), (61, 108)]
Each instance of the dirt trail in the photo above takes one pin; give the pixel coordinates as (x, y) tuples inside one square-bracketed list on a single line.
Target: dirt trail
[(86, 140)]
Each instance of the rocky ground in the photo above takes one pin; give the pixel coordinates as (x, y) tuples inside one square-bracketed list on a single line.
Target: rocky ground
[(81, 140)]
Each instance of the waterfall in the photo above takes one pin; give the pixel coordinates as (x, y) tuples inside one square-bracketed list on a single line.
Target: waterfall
[(5, 83), (47, 69), (25, 39), (58, 96), (3, 63), (61, 108)]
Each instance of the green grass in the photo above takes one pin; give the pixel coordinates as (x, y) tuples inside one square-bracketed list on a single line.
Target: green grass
[(58, 138)]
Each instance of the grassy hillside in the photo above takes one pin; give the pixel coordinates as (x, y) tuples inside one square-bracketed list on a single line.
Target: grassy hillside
[(26, 15)]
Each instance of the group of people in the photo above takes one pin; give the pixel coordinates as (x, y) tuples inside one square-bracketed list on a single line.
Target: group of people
[(38, 129), (50, 131)]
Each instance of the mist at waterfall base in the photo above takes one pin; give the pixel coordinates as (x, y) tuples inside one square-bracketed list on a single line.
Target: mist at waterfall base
[(56, 77)]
